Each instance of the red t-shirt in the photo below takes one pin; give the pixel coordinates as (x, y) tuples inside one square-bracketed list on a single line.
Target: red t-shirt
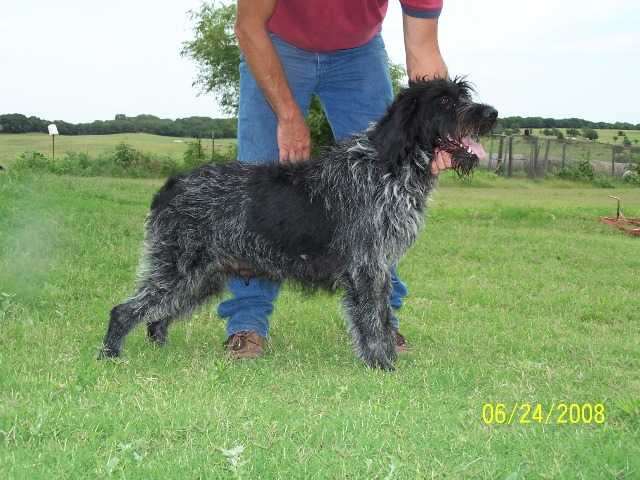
[(328, 25)]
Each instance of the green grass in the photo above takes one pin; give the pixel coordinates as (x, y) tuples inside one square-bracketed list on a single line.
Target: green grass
[(518, 294), (11, 145)]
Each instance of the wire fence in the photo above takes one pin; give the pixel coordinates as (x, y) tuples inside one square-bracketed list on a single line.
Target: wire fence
[(533, 156)]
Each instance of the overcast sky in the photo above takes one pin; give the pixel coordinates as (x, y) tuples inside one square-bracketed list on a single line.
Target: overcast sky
[(81, 60)]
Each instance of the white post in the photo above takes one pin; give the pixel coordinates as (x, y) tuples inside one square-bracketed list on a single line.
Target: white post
[(53, 131)]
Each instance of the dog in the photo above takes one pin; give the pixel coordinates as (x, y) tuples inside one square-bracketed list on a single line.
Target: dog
[(340, 220)]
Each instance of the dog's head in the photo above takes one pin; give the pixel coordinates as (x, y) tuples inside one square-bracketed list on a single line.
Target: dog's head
[(435, 114)]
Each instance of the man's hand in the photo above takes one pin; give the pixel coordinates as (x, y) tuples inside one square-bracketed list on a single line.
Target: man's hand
[(442, 161), (294, 141)]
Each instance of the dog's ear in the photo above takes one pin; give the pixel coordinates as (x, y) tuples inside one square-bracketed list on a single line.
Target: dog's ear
[(398, 132)]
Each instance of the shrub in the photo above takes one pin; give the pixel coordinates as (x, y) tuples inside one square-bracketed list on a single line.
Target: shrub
[(35, 161), (123, 161), (632, 177), (581, 171), (194, 156), (589, 133), (125, 155)]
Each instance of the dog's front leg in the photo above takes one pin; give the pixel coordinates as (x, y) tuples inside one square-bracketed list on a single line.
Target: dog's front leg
[(369, 315)]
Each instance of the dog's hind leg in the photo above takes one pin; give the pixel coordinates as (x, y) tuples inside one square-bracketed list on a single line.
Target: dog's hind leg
[(369, 315), (157, 330), (158, 304)]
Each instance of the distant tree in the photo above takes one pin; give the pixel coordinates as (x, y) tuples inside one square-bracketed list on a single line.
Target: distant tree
[(589, 133), (615, 138), (215, 51), (626, 142), (559, 135), (573, 132), (398, 77)]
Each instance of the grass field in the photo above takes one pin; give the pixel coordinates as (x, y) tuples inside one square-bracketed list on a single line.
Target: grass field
[(517, 294), (11, 145), (605, 135)]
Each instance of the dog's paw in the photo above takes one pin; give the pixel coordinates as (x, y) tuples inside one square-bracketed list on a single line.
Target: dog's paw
[(107, 352), (157, 333), (386, 364), (380, 356)]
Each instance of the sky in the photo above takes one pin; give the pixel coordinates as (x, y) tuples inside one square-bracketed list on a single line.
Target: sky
[(82, 60)]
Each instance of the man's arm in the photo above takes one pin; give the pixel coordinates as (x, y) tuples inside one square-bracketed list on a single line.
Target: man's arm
[(421, 48), (251, 30), (424, 60)]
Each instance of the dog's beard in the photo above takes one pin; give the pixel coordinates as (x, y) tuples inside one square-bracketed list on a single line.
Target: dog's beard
[(464, 162), (465, 152)]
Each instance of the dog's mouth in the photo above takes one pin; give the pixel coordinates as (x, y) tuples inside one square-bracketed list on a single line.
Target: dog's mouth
[(465, 145), (466, 151), (474, 147)]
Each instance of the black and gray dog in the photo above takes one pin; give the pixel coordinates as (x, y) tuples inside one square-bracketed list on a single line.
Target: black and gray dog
[(339, 220)]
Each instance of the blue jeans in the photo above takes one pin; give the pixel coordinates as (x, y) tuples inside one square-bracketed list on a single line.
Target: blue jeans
[(354, 88)]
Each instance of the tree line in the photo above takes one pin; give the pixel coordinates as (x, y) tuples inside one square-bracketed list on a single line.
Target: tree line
[(575, 123), (196, 127), (202, 127)]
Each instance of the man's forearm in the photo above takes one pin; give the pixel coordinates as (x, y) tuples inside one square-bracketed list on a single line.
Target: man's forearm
[(422, 49), (263, 60)]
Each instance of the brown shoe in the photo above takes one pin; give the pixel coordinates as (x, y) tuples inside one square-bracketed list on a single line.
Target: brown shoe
[(401, 343), (244, 345)]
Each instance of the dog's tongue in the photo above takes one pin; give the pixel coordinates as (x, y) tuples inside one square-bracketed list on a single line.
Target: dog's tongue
[(475, 147)]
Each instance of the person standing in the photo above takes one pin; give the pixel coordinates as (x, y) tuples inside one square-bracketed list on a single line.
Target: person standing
[(290, 50)]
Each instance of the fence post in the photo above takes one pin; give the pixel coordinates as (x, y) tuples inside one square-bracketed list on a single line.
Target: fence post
[(535, 158), (613, 160), (545, 166), (531, 169), (490, 152), (564, 153), (509, 170)]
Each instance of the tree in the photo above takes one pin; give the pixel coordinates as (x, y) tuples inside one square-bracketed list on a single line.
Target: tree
[(589, 134), (573, 132), (215, 50)]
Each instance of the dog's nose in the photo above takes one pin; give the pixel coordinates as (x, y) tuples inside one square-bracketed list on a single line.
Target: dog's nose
[(490, 113)]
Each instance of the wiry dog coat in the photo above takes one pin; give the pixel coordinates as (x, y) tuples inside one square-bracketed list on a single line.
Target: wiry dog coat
[(340, 220)]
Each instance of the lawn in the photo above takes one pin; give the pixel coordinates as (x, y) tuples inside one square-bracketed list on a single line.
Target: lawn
[(517, 294), (12, 145)]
